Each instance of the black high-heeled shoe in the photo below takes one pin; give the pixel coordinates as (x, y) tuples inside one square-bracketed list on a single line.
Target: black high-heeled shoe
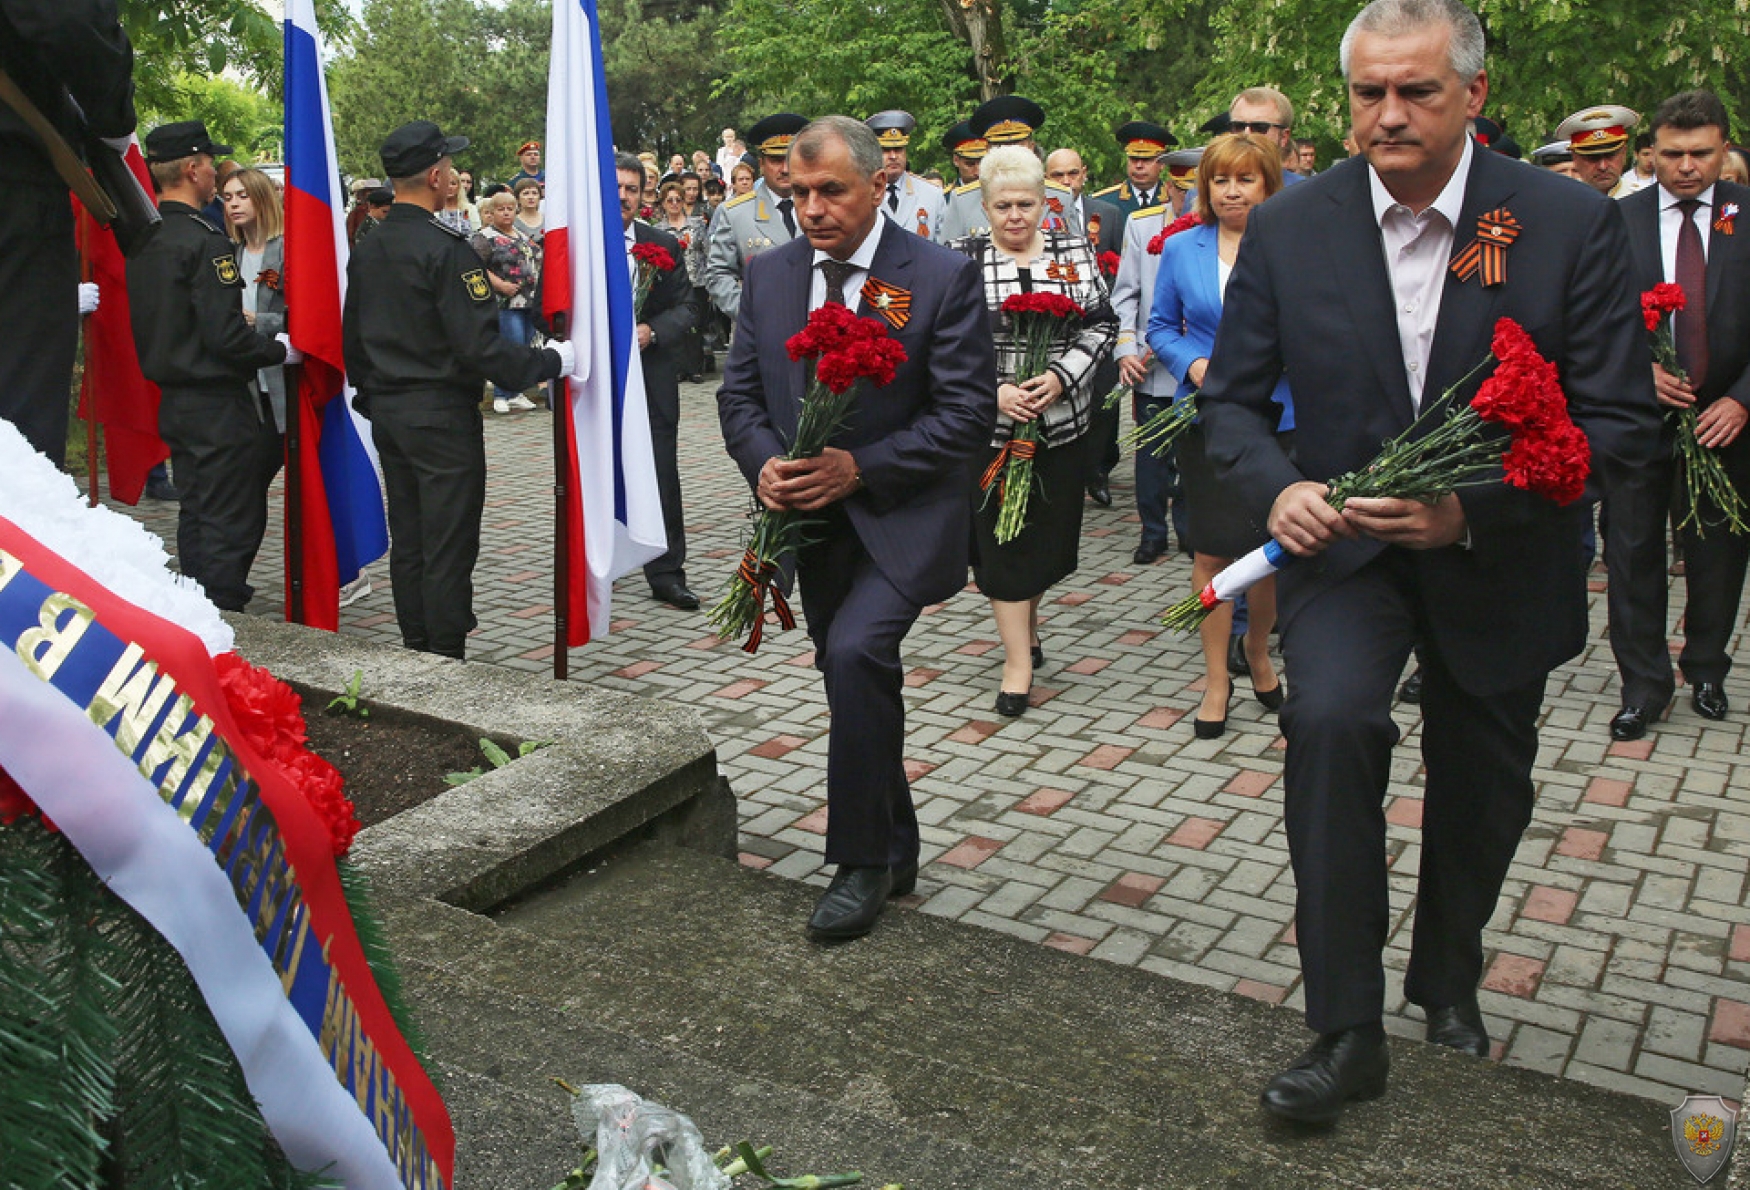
[(1038, 656), (1011, 705), (1209, 729), (1271, 698)]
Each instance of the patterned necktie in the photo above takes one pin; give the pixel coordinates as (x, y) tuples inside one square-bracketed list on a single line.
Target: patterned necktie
[(836, 272), (1690, 323), (893, 196), (785, 207)]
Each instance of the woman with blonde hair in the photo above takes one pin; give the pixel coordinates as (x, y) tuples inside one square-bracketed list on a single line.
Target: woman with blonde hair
[(255, 221), (1235, 174), (1016, 257)]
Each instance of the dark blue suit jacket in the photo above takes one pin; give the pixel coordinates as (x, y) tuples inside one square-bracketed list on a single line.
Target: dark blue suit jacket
[(1310, 296), (914, 439)]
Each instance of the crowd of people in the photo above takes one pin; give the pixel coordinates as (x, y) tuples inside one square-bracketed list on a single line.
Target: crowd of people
[(1295, 318)]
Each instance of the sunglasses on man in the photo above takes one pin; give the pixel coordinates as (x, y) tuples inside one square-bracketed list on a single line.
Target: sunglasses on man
[(1261, 127)]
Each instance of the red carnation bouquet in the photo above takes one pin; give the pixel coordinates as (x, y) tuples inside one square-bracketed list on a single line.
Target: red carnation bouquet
[(1037, 321), (1704, 475), (1444, 449), (653, 260), (1109, 262), (846, 349)]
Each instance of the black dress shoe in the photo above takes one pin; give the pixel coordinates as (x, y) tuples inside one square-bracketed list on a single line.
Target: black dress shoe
[(1349, 1064), (1236, 656), (1630, 723), (1038, 656), (676, 595), (1710, 700), (852, 903), (1011, 705), (1100, 494), (162, 489), (1148, 553), (1410, 693), (1460, 1028), (905, 879)]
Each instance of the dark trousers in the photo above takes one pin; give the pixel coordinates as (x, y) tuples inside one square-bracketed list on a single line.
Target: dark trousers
[(1637, 501), (663, 398), (39, 314), (1157, 480), (857, 621), (226, 452), (1344, 651), (433, 452)]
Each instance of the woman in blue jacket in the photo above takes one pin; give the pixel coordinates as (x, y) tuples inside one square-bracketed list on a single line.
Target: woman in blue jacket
[(1235, 174)]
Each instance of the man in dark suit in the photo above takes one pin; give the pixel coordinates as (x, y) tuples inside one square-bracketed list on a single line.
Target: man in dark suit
[(892, 494), (1680, 232), (1344, 284), (663, 323)]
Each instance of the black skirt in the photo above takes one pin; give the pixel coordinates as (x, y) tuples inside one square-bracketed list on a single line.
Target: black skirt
[(1045, 551), (1216, 521)]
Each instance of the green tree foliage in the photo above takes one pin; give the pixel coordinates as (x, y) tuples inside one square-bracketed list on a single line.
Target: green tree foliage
[(235, 115), (174, 39)]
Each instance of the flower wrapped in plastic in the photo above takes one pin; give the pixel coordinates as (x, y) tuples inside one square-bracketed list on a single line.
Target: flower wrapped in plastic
[(1704, 475), (653, 260), (1037, 319), (1444, 449), (846, 349)]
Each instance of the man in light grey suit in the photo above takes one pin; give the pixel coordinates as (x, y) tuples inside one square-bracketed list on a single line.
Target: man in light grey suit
[(750, 223)]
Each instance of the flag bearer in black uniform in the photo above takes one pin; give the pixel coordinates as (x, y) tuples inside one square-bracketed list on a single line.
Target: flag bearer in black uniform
[(185, 291), (421, 341)]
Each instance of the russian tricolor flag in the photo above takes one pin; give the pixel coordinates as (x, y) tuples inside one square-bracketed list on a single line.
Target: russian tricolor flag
[(615, 522), (340, 496)]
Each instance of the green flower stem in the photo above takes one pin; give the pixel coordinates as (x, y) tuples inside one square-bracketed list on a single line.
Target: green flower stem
[(1159, 432)]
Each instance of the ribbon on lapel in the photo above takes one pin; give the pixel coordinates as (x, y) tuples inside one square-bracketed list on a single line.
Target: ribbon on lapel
[(889, 302), (1496, 232)]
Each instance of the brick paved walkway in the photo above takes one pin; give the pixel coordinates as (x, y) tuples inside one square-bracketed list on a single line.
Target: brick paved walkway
[(1096, 823)]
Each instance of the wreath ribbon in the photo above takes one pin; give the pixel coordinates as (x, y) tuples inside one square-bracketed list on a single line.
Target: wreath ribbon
[(1487, 254)]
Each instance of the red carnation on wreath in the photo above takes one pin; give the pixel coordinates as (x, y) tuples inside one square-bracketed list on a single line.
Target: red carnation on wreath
[(1184, 222), (1109, 262)]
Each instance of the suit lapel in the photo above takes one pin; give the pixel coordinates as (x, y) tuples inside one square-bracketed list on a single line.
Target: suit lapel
[(1356, 257), (1206, 266), (1467, 308), (1643, 222), (1719, 245)]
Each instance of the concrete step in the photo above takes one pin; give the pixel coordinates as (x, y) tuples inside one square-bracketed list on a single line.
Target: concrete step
[(938, 1054)]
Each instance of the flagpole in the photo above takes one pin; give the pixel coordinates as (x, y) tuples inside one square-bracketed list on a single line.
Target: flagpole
[(294, 496), (559, 400), (85, 273)]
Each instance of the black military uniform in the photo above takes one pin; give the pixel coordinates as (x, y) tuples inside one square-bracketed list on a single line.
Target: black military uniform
[(53, 50), (185, 291), (421, 341)]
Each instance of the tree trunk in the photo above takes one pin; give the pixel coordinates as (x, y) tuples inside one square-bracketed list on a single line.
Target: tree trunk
[(979, 23)]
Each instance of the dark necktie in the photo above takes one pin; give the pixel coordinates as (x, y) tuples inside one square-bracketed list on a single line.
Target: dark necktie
[(1144, 198), (836, 271), (893, 196), (1690, 323), (785, 207)]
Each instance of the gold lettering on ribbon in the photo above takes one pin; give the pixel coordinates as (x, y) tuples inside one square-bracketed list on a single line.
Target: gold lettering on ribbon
[(194, 791), (45, 647), (10, 568), (335, 1015), (131, 692), (176, 747), (220, 800), (288, 954)]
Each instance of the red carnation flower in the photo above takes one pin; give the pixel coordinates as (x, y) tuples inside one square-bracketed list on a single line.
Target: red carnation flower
[(1054, 305), (876, 360), (654, 255), (1183, 223), (1664, 298), (829, 328), (322, 787), (265, 708), (1553, 463), (1109, 262)]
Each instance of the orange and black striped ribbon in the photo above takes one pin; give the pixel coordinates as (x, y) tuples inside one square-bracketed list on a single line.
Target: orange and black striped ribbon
[(888, 301), (1487, 254), (1067, 273), (759, 575), (1014, 448)]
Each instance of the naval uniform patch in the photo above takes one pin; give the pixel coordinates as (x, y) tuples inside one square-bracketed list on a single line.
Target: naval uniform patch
[(475, 280), (226, 267)]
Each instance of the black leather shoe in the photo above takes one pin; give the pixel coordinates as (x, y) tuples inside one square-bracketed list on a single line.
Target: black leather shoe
[(676, 595), (1011, 705), (162, 489), (905, 879), (1410, 693), (1349, 1064), (1100, 494), (1148, 553), (852, 903), (1710, 700), (1236, 656), (1460, 1028), (1630, 723), (1038, 656)]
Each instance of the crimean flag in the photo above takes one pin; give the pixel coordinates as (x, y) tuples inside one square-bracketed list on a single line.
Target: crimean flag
[(112, 388), (615, 524), (341, 497)]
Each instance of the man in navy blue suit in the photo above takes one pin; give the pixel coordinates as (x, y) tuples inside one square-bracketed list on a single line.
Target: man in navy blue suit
[(1354, 285), (892, 493)]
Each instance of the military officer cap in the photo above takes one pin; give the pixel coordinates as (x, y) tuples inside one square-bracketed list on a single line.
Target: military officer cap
[(1217, 124), (1491, 136), (771, 137), (1598, 131), (185, 138), (1554, 152), (527, 145), (1007, 120), (961, 142), (1182, 166), (363, 184), (892, 128), (1144, 141), (414, 148)]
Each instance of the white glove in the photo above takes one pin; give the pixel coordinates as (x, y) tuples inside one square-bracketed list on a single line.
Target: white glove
[(293, 355), (567, 355), (88, 298)]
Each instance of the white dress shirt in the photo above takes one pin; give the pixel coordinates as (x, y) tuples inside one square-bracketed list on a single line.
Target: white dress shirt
[(861, 259), (1671, 225), (1418, 249)]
